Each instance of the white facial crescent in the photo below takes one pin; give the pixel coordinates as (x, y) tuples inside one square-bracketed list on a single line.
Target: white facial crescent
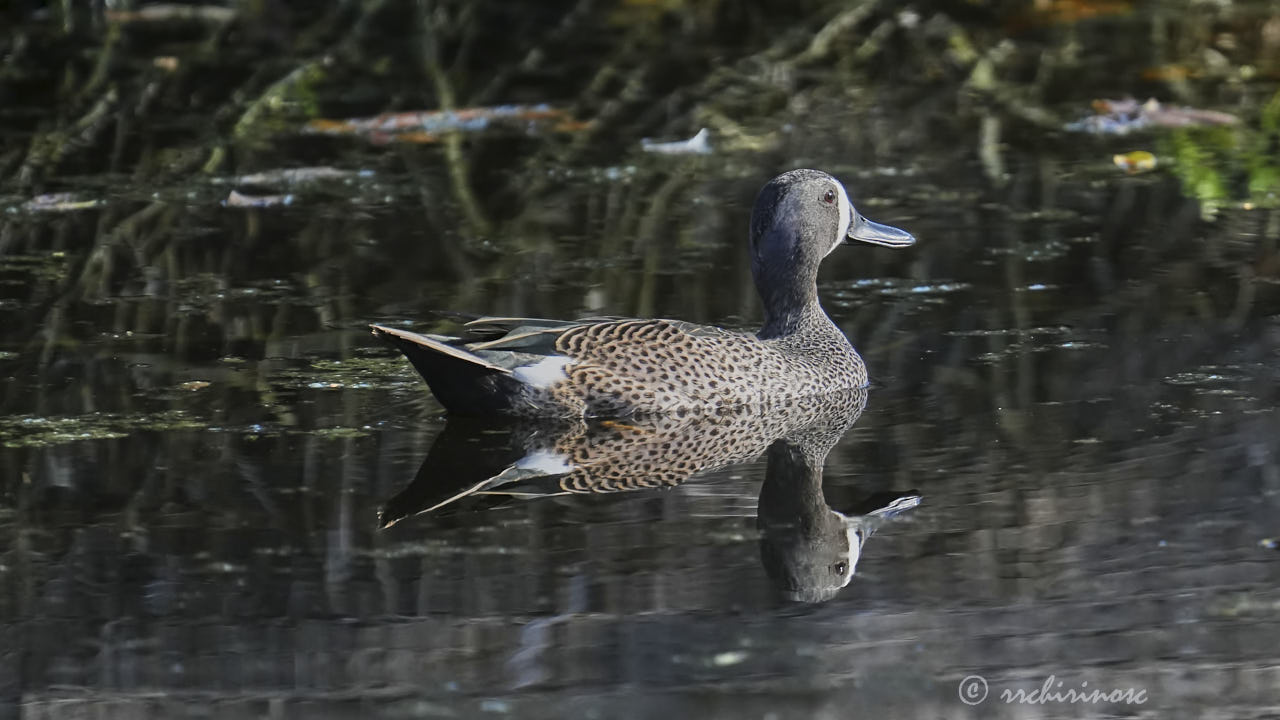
[(846, 216)]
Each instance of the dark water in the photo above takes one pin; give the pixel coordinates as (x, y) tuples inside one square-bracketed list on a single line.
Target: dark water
[(1074, 370)]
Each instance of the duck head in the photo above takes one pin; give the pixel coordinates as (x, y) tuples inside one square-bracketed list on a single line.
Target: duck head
[(798, 219)]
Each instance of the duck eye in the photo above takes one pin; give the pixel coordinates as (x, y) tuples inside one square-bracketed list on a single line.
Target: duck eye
[(829, 197), (839, 568)]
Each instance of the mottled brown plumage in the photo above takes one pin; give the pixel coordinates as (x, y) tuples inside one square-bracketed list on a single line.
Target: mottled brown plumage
[(604, 367)]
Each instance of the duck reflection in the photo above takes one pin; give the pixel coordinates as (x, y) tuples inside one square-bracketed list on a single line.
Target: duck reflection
[(810, 550)]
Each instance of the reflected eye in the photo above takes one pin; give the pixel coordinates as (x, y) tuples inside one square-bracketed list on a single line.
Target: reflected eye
[(829, 197), (839, 568)]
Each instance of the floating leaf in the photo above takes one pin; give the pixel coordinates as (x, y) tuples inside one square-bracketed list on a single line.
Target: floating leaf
[(1119, 117), (1137, 161), (299, 176), (1066, 12), (699, 144), (1169, 73), (1074, 11), (164, 12), (239, 199), (58, 202), (432, 125)]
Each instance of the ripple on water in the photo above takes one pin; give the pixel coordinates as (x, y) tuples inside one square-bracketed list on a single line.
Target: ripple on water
[(1213, 377), (1048, 338), (1042, 251), (1055, 330), (1023, 348), (855, 294)]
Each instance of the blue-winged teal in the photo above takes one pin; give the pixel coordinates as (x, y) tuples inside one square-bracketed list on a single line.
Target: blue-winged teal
[(611, 367)]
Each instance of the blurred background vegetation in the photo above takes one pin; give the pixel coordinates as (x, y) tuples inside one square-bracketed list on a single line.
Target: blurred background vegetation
[(201, 181)]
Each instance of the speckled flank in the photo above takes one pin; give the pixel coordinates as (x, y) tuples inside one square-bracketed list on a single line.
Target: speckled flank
[(662, 366)]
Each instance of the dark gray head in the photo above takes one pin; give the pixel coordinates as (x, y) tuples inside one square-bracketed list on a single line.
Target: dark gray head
[(809, 549), (798, 218), (812, 560)]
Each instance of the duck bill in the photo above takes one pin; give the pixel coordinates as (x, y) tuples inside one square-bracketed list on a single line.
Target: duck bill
[(863, 230)]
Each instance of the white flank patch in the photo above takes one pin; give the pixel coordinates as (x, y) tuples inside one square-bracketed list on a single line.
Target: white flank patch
[(544, 373), (846, 216), (544, 461)]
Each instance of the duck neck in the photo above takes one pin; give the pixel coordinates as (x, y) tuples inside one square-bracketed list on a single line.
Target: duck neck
[(791, 494), (784, 266), (790, 305)]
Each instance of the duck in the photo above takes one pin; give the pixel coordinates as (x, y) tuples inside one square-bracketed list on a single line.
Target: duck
[(622, 367)]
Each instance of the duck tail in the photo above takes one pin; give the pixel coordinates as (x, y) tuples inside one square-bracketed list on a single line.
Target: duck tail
[(462, 381)]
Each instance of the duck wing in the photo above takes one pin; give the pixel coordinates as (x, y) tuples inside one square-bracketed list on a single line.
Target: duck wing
[(492, 328), (541, 337), (615, 366)]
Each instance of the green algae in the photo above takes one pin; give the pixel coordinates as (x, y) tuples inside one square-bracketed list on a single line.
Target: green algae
[(1229, 166), (339, 433), (35, 431), (43, 268), (380, 372)]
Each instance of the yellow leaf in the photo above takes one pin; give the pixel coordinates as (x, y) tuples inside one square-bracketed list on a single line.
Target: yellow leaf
[(1135, 162)]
